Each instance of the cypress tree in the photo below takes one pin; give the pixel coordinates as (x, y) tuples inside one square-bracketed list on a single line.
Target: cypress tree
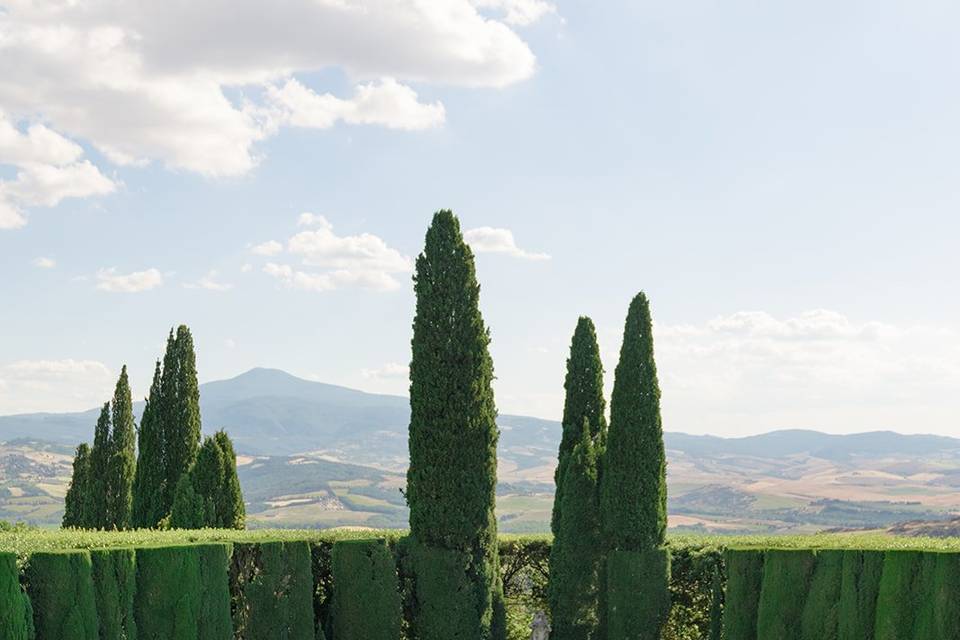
[(95, 500), (149, 477), (182, 419), (188, 510), (166, 419), (451, 481), (577, 549), (78, 490), (633, 495), (198, 499), (231, 512), (122, 461), (584, 401)]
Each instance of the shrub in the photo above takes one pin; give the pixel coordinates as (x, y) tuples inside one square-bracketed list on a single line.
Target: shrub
[(820, 617), (742, 600), (16, 621), (859, 586), (60, 586), (272, 591), (366, 596), (638, 594), (215, 622), (786, 578), (167, 603), (115, 585)]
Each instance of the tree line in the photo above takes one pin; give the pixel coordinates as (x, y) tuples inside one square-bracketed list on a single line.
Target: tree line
[(160, 474)]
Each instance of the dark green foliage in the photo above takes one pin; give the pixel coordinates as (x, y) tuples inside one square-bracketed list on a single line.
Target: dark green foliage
[(577, 550), (900, 597), (195, 500), (189, 510), (60, 586), (638, 594), (77, 492), (115, 585), (272, 591), (821, 610), (696, 592), (15, 615), (95, 500), (148, 484), (860, 584), (214, 621), (366, 596), (122, 462), (742, 598), (168, 597), (786, 579), (583, 401), (231, 513), (451, 480), (634, 487)]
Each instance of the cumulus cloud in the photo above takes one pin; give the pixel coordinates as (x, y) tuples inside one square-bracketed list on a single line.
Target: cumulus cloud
[(491, 240), (332, 261), (209, 282), (53, 385), (268, 248), (178, 84), (110, 280), (44, 263), (391, 370)]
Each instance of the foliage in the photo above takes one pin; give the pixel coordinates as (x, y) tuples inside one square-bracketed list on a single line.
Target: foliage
[(60, 586), (16, 617), (167, 603), (638, 594), (95, 500), (73, 515), (451, 480), (272, 591), (148, 484), (189, 508), (744, 581), (577, 550), (121, 463), (230, 511), (114, 574), (366, 596), (215, 622)]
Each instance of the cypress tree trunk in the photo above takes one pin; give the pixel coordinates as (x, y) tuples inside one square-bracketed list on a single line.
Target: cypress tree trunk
[(95, 501), (122, 462), (451, 481), (634, 489), (73, 502), (148, 484), (577, 547), (231, 512), (584, 401)]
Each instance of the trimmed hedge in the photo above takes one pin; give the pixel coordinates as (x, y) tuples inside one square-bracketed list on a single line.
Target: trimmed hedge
[(16, 617), (60, 586), (742, 601), (638, 594), (272, 591), (215, 622), (860, 585), (167, 603), (115, 584), (366, 595)]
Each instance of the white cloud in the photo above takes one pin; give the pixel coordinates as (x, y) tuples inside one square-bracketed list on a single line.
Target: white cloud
[(53, 385), (391, 370), (209, 282), (751, 371), (247, 268), (330, 280), (268, 248), (312, 220), (491, 240), (149, 81), (110, 280), (45, 263)]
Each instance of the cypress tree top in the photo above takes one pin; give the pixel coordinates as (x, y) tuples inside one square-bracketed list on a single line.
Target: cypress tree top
[(451, 481), (149, 475), (122, 462), (95, 502), (73, 502), (584, 402), (634, 487)]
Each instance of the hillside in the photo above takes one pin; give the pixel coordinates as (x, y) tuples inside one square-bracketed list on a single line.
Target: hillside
[(322, 455)]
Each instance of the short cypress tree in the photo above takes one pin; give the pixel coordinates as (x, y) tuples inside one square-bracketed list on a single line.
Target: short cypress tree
[(634, 483), (95, 501), (584, 401), (195, 500), (577, 549), (122, 462), (231, 513), (76, 493), (149, 475), (451, 481)]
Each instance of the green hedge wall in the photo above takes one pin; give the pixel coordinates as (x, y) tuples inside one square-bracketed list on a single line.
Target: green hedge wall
[(742, 601), (16, 617), (859, 586), (60, 586), (115, 584), (167, 602), (638, 594), (366, 592), (272, 591), (215, 622)]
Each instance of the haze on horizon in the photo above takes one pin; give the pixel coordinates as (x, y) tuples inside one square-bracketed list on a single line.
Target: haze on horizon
[(781, 180)]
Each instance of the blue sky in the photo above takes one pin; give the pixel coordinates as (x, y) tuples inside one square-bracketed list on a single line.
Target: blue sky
[(780, 179)]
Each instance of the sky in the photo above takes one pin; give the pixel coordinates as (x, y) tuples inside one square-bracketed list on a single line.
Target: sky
[(782, 180)]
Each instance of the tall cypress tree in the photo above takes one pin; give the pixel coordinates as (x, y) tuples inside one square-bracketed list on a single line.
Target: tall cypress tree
[(451, 481), (78, 490), (577, 546), (584, 401), (122, 462), (231, 512), (166, 417), (149, 476), (633, 495), (183, 431), (95, 501)]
